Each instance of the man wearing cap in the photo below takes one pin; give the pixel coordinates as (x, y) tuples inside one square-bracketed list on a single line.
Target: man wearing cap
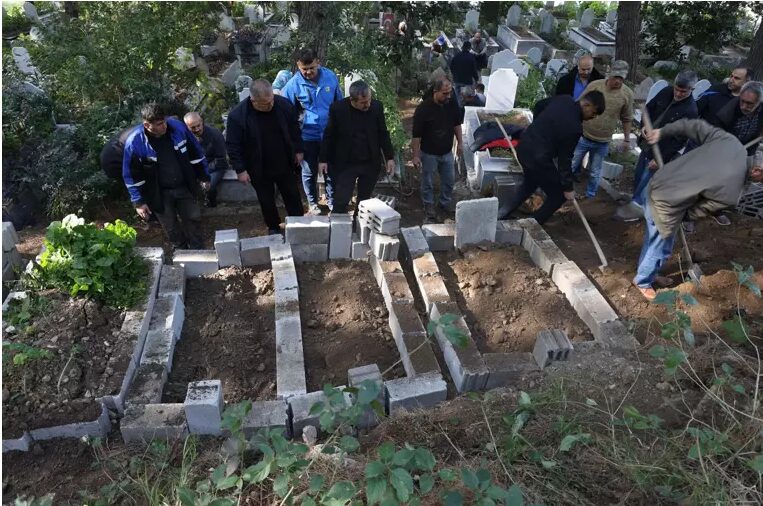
[(597, 133), (670, 104)]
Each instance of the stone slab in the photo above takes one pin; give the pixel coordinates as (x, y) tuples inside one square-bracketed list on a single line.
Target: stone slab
[(203, 407), (506, 369), (148, 385), (256, 250), (304, 253), (172, 281), (100, 427), (168, 313), (430, 281), (411, 339), (594, 310), (466, 366), (360, 251), (290, 361), (508, 232), (228, 248), (395, 288), (266, 415), (476, 221), (147, 422), (408, 394), (380, 267), (340, 243), (10, 237), (21, 444), (415, 242), (159, 348), (308, 229), (196, 262)]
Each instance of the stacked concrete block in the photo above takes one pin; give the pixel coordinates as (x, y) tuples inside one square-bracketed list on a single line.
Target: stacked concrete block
[(363, 229), (147, 422), (466, 366), (411, 339), (228, 248), (203, 407), (340, 243), (550, 346), (394, 288), (196, 262), (383, 246), (159, 348), (508, 232), (430, 281), (360, 250), (300, 406), (11, 257), (415, 244), (256, 250), (172, 282), (476, 221), (304, 253), (266, 415), (408, 394), (308, 229), (358, 375), (439, 236), (148, 385), (168, 313), (379, 216), (507, 369), (543, 251)]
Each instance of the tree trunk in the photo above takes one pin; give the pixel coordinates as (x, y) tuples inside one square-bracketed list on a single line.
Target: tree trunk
[(71, 9), (626, 38), (314, 21), (755, 58)]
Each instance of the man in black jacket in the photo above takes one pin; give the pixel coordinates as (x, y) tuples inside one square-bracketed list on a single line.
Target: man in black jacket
[(718, 95), (464, 69), (553, 135), (265, 149), (213, 143), (742, 116), (353, 142), (576, 81)]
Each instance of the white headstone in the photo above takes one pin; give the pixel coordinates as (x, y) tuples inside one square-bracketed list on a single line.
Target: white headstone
[(348, 80), (586, 19), (546, 22), (250, 11), (231, 74), (514, 15), (31, 12), (501, 90), (184, 58), (226, 23), (520, 67), (535, 55), (642, 89), (472, 21), (502, 59), (23, 61), (294, 21), (701, 87), (655, 89), (612, 16), (556, 68)]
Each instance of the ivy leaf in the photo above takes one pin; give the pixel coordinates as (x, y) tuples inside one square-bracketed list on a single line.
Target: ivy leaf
[(736, 329), (375, 489), (386, 451), (657, 351), (402, 483), (496, 493), (515, 497), (426, 483), (368, 391), (667, 298), (316, 483), (374, 469), (689, 299), (447, 475), (218, 475), (738, 388), (281, 485), (402, 457), (316, 408), (454, 498), (570, 439), (349, 444), (524, 400), (447, 319), (470, 479), (229, 482)]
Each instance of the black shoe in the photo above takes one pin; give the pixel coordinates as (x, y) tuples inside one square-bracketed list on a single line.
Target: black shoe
[(211, 199)]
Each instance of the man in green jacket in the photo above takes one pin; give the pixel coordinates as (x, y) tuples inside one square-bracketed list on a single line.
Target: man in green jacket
[(689, 185)]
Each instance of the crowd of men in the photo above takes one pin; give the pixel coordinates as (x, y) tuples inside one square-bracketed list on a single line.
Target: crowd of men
[(301, 126)]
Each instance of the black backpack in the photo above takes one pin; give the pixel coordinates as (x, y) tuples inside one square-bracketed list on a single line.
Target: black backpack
[(112, 154)]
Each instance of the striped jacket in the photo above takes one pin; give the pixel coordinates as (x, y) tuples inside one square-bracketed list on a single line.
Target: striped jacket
[(140, 164)]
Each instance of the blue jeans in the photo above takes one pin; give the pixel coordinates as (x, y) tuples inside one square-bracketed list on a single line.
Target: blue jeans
[(641, 178), (310, 175), (443, 165), (654, 252), (215, 178), (598, 151)]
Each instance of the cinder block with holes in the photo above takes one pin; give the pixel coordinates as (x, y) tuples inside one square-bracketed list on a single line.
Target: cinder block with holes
[(550, 346), (466, 366)]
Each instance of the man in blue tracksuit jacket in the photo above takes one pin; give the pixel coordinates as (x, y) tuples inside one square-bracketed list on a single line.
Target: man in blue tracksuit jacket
[(313, 89), (161, 164)]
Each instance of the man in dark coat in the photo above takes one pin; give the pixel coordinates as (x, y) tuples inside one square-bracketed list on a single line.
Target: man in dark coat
[(464, 69), (213, 143), (576, 81), (742, 116), (545, 152), (718, 95), (353, 143), (265, 149)]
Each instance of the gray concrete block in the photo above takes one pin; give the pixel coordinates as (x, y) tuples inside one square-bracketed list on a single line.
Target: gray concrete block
[(266, 415), (228, 248), (415, 244), (13, 259), (439, 236), (148, 385), (100, 427), (615, 335), (232, 190), (358, 375), (168, 313), (18, 445), (284, 273), (280, 251), (150, 253), (430, 282), (411, 339), (154, 276), (611, 170), (508, 232), (466, 366), (134, 329), (507, 369), (594, 310), (394, 288), (204, 407), (380, 267), (147, 422), (299, 408), (551, 345), (381, 217), (533, 232), (159, 348), (172, 281), (476, 221), (256, 250), (10, 237), (570, 279), (364, 229), (360, 251), (308, 229), (545, 254), (384, 247), (310, 252), (409, 394), (340, 243), (290, 359), (196, 262)]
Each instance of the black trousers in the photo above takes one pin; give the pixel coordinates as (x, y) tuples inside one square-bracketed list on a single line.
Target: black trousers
[(545, 177), (185, 233), (366, 174), (265, 186)]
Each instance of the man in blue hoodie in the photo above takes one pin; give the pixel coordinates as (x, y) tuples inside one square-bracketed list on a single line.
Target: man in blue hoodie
[(312, 90)]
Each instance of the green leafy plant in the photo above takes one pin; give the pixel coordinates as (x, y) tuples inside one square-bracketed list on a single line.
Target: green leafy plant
[(21, 353)]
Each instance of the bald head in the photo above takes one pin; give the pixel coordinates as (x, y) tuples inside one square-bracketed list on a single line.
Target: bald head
[(195, 123), (261, 95), (585, 67)]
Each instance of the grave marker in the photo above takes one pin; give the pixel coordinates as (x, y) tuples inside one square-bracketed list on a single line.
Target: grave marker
[(514, 15), (519, 67), (700, 88), (655, 89), (472, 20), (501, 90), (556, 68), (586, 20), (501, 60), (546, 22), (534, 55)]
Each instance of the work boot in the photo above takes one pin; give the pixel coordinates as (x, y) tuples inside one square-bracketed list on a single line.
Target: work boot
[(629, 212), (649, 293)]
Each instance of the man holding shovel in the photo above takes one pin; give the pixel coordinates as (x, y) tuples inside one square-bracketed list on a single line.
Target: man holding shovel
[(689, 185)]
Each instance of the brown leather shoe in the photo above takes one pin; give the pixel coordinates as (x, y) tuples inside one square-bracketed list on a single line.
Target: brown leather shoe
[(649, 293)]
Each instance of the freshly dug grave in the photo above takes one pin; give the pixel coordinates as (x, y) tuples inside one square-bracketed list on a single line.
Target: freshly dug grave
[(228, 334), (506, 300), (86, 358), (345, 323)]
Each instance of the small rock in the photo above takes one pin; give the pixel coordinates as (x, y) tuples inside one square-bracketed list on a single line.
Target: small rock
[(663, 386), (85, 339), (46, 378), (539, 281), (336, 298), (339, 310), (261, 367), (311, 324)]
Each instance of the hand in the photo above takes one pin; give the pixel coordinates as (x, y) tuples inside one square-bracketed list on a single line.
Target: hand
[(143, 211), (459, 150), (206, 185), (653, 136), (323, 167), (416, 162), (570, 195), (625, 146), (390, 167), (756, 174), (299, 157), (243, 177), (652, 165)]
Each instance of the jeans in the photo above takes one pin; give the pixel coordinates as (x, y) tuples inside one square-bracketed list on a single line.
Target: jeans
[(598, 151), (187, 232), (443, 165), (547, 178), (366, 174), (654, 252), (287, 184), (310, 175), (215, 178), (641, 179)]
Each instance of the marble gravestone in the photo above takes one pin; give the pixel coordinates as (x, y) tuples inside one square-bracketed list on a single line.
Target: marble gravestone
[(514, 15)]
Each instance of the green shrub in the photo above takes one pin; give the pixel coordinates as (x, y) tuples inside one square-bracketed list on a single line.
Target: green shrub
[(15, 20)]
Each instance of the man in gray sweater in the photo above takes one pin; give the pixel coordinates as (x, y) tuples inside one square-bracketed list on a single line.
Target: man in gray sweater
[(689, 185)]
